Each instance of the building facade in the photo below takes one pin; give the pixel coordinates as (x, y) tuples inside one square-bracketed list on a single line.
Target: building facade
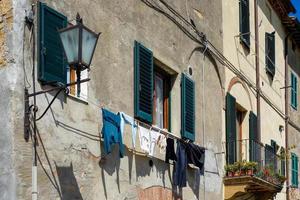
[(221, 74), (259, 93), (71, 163)]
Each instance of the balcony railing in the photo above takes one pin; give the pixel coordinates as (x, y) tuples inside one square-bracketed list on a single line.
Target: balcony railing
[(250, 158)]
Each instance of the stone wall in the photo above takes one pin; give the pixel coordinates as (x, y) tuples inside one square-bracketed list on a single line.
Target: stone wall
[(71, 163), (6, 22)]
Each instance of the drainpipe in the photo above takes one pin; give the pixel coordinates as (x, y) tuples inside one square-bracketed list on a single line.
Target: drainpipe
[(286, 83), (257, 69)]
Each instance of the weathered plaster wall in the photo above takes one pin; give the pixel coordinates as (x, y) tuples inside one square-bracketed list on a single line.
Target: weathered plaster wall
[(12, 147), (244, 61), (293, 135), (71, 164)]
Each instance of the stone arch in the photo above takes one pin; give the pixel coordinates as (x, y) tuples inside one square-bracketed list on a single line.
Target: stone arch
[(236, 80), (212, 60)]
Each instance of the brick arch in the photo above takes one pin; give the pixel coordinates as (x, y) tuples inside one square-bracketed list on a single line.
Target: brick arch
[(236, 80), (157, 193)]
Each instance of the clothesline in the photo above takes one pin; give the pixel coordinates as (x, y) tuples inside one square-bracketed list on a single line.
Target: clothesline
[(160, 130)]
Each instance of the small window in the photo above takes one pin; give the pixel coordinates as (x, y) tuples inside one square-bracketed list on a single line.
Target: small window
[(72, 77), (270, 53), (152, 87), (294, 91), (161, 99), (294, 158), (244, 23)]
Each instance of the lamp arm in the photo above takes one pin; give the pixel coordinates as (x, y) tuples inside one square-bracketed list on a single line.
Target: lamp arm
[(61, 89)]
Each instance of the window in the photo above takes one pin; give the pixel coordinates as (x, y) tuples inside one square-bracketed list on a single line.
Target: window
[(72, 77), (294, 170), (270, 53), (240, 114), (244, 22), (294, 91), (152, 87), (161, 99), (51, 63)]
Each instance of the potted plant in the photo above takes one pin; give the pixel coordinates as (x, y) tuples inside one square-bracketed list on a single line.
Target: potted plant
[(229, 170), (243, 167), (251, 168), (236, 168)]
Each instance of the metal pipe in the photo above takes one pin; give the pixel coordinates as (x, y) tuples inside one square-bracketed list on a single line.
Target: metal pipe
[(257, 69), (34, 157), (286, 113)]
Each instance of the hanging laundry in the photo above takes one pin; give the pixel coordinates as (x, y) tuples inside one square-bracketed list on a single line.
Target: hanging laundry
[(179, 172), (162, 143), (145, 140), (125, 119), (153, 140), (170, 151), (187, 153), (111, 131), (196, 156)]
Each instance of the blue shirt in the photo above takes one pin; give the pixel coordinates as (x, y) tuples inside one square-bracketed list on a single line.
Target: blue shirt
[(111, 131)]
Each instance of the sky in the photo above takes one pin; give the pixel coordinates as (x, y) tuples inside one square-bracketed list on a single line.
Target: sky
[(297, 6)]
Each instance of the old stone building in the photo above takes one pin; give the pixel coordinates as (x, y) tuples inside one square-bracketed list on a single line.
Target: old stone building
[(260, 94), (71, 163), (220, 74)]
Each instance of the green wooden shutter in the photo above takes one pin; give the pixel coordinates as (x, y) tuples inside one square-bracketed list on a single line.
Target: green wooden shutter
[(294, 91), (253, 138), (230, 129), (270, 53), (244, 22), (187, 108), (143, 82), (275, 148), (51, 61), (282, 155), (294, 170), (296, 176)]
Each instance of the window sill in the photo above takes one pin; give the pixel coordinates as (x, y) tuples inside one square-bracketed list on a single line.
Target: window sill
[(79, 99)]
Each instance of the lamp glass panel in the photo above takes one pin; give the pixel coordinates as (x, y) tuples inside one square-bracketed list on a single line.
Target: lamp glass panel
[(70, 40), (88, 43)]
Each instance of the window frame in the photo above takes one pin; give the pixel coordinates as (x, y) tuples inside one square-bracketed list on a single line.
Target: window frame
[(244, 29), (166, 96), (270, 54), (71, 73)]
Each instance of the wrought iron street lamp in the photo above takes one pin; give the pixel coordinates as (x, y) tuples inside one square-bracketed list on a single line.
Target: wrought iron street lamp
[(79, 44)]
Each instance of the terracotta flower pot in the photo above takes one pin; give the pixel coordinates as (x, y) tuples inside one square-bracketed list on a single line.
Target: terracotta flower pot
[(242, 172), (250, 172), (230, 174)]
